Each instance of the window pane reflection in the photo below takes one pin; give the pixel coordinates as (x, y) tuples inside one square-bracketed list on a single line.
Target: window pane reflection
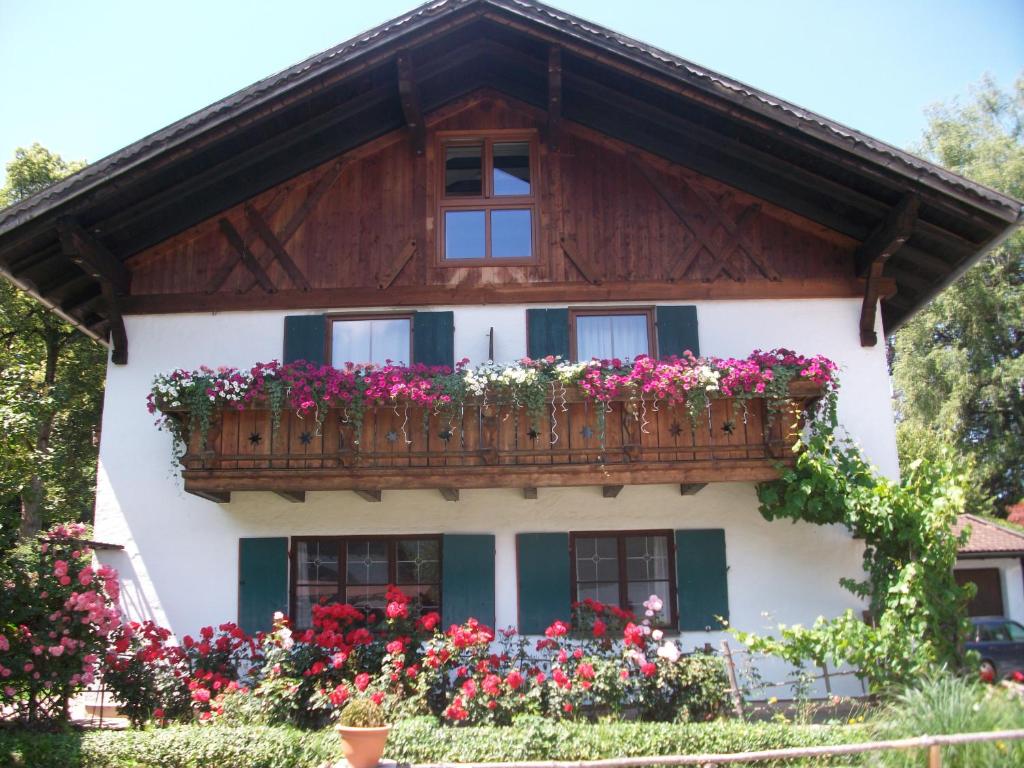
[(512, 168), (511, 234), (463, 170), (370, 341), (464, 234)]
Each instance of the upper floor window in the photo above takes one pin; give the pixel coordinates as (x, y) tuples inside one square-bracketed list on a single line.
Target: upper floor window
[(606, 334), (487, 205), (370, 339)]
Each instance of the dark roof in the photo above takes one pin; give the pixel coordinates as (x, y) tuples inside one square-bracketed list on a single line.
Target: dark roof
[(347, 95), (988, 538)]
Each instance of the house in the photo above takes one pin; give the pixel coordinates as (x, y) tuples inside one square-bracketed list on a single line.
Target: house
[(992, 560), (488, 179)]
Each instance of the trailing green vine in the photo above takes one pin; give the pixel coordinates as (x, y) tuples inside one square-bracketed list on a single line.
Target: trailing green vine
[(916, 610)]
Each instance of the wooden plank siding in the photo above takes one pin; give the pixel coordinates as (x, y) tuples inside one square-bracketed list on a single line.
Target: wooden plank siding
[(591, 195)]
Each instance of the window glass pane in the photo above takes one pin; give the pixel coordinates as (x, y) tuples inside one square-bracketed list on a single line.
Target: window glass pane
[(603, 593), (609, 336), (318, 561), (370, 341), (417, 562), (511, 234), (1015, 630), (463, 170), (367, 598), (464, 235), (512, 168), (646, 558), (597, 560), (367, 562)]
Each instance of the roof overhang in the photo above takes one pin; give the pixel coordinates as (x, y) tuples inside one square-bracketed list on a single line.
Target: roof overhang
[(349, 95)]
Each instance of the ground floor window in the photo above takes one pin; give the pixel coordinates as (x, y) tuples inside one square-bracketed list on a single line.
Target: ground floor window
[(625, 568), (358, 570)]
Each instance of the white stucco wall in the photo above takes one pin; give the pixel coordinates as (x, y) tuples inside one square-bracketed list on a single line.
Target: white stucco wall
[(179, 564)]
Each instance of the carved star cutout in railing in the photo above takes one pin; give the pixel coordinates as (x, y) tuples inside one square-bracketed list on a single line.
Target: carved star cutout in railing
[(729, 427), (255, 438), (391, 437), (676, 429), (532, 433), (445, 434), (587, 432), (305, 438)]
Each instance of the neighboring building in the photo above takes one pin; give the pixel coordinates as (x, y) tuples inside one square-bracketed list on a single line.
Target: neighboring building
[(993, 560), (487, 179)]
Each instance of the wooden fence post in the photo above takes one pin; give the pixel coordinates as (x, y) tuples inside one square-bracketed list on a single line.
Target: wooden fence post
[(934, 756), (734, 688)]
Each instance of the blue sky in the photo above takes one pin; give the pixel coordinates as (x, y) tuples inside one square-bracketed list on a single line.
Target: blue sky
[(87, 77)]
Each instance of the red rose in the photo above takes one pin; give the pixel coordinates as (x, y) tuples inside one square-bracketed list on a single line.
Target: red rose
[(362, 681), (648, 669), (599, 628), (514, 679)]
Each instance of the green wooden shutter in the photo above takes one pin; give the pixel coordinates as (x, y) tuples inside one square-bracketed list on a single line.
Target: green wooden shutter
[(542, 565), (433, 338), (547, 333), (677, 330), (467, 578), (262, 582), (702, 582), (305, 338)]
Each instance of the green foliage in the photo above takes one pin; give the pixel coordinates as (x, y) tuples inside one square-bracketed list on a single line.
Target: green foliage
[(51, 389), (941, 703), (362, 713), (959, 364), (415, 740), (909, 553)]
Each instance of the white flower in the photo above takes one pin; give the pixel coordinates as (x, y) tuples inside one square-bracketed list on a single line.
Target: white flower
[(656, 635), (669, 651)]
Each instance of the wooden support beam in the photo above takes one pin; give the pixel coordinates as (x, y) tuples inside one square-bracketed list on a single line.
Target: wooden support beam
[(589, 270), (873, 253), (235, 239), (611, 491), (554, 124), (313, 197), (371, 495), (387, 277), (408, 93), (113, 277), (277, 248), (296, 497), (92, 256), (221, 275), (530, 492), (218, 497), (690, 489), (450, 494)]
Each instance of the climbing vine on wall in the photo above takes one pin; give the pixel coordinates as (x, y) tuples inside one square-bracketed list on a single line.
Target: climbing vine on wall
[(917, 612)]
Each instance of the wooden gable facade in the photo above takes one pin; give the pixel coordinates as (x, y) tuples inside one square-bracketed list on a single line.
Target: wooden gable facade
[(613, 223)]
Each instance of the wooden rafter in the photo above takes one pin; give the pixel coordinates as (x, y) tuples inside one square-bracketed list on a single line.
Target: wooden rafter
[(873, 253), (691, 489), (554, 123), (408, 93), (114, 279), (371, 495), (250, 262)]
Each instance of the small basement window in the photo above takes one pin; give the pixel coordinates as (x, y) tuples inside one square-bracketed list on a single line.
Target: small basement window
[(365, 339), (358, 570), (606, 334), (487, 210), (625, 568)]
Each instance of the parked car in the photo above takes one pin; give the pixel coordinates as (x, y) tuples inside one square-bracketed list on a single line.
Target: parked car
[(1000, 642)]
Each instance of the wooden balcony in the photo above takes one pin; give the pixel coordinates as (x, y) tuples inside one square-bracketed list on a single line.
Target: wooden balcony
[(486, 445)]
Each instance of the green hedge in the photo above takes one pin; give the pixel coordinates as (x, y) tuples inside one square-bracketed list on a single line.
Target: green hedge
[(418, 740)]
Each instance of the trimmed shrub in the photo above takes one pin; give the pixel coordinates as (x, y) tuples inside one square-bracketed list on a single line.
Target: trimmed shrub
[(414, 740)]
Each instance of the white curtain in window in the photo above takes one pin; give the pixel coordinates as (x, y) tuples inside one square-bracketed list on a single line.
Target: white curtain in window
[(609, 336), (370, 341)]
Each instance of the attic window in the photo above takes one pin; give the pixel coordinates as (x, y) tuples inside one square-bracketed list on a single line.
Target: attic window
[(487, 210)]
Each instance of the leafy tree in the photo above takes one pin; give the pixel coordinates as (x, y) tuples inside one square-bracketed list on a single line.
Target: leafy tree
[(51, 389), (959, 364)]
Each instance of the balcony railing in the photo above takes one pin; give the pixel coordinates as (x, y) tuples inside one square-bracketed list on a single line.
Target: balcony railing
[(490, 445)]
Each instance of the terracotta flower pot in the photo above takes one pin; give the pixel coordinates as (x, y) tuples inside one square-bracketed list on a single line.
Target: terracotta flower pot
[(363, 747)]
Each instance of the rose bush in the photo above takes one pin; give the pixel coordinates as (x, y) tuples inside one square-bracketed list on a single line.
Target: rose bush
[(58, 613)]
